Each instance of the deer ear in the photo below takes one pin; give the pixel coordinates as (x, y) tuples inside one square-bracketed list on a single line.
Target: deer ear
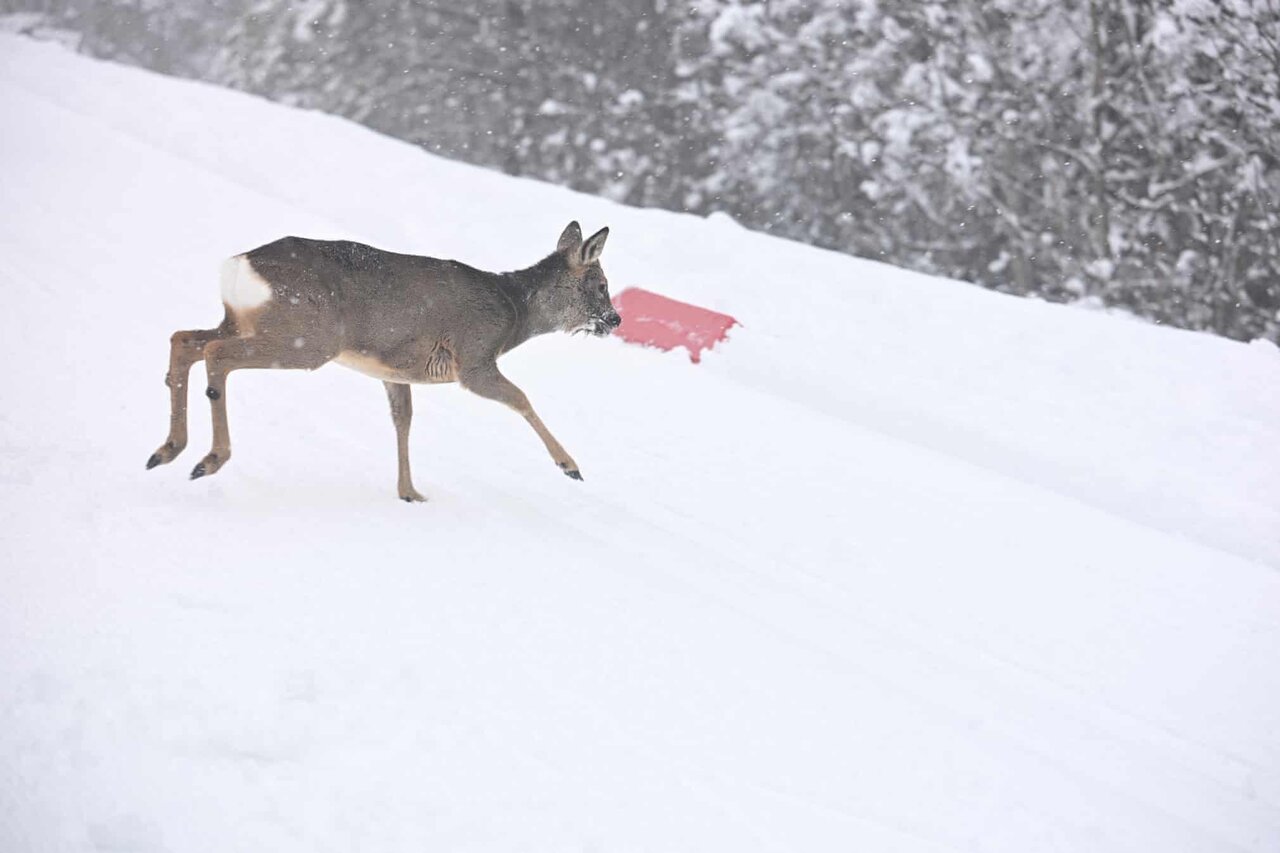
[(594, 246), (570, 238)]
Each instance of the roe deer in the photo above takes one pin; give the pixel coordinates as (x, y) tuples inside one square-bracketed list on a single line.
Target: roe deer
[(404, 319)]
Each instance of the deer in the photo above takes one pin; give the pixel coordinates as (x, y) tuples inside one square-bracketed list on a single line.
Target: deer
[(298, 304)]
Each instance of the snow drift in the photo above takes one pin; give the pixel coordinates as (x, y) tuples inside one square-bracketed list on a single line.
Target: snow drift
[(909, 566)]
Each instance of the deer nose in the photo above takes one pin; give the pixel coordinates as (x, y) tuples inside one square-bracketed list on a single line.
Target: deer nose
[(613, 319)]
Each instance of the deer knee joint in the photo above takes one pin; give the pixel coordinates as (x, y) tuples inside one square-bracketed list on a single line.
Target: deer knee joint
[(518, 401)]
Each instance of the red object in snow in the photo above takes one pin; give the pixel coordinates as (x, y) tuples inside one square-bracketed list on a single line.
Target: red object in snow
[(657, 321)]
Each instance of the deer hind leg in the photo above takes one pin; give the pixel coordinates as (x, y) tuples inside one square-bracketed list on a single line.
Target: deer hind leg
[(401, 397), (185, 349), (221, 357), (489, 382)]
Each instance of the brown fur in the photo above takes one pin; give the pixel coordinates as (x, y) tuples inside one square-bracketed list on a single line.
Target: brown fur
[(404, 319)]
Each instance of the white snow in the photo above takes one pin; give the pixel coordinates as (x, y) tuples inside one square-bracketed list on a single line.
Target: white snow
[(905, 566)]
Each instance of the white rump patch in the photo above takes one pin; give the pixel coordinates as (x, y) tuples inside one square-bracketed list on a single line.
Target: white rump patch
[(242, 287)]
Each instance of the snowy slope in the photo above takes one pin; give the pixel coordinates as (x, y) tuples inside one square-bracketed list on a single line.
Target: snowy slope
[(906, 565)]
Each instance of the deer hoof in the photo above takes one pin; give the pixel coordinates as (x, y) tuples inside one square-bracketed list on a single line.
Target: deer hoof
[(166, 453), (571, 472), (413, 497), (206, 466)]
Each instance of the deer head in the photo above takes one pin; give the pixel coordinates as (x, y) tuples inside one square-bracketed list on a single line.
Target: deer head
[(575, 295)]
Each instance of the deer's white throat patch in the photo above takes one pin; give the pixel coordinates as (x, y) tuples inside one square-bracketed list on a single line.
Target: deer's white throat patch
[(242, 287)]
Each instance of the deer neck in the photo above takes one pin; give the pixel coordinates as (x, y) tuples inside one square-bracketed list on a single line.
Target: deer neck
[(526, 289)]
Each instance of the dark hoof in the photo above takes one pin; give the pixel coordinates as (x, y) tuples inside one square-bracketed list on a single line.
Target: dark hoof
[(163, 455), (198, 471), (572, 473)]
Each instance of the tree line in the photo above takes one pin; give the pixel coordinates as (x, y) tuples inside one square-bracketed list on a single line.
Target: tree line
[(1124, 153)]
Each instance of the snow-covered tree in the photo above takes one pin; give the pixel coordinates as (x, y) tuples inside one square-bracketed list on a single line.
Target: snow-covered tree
[(1124, 152)]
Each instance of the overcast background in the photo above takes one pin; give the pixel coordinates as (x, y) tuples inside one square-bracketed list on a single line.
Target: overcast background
[(1124, 153)]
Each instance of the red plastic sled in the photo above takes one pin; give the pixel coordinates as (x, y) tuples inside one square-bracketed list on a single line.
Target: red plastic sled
[(657, 321)]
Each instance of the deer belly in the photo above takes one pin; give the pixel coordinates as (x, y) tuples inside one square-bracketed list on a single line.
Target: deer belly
[(438, 365)]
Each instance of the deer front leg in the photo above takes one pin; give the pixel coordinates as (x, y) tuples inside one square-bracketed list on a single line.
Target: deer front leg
[(185, 349), (488, 382), (401, 397)]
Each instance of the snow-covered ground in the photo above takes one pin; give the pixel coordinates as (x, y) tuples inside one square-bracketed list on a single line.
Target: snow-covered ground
[(905, 566)]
